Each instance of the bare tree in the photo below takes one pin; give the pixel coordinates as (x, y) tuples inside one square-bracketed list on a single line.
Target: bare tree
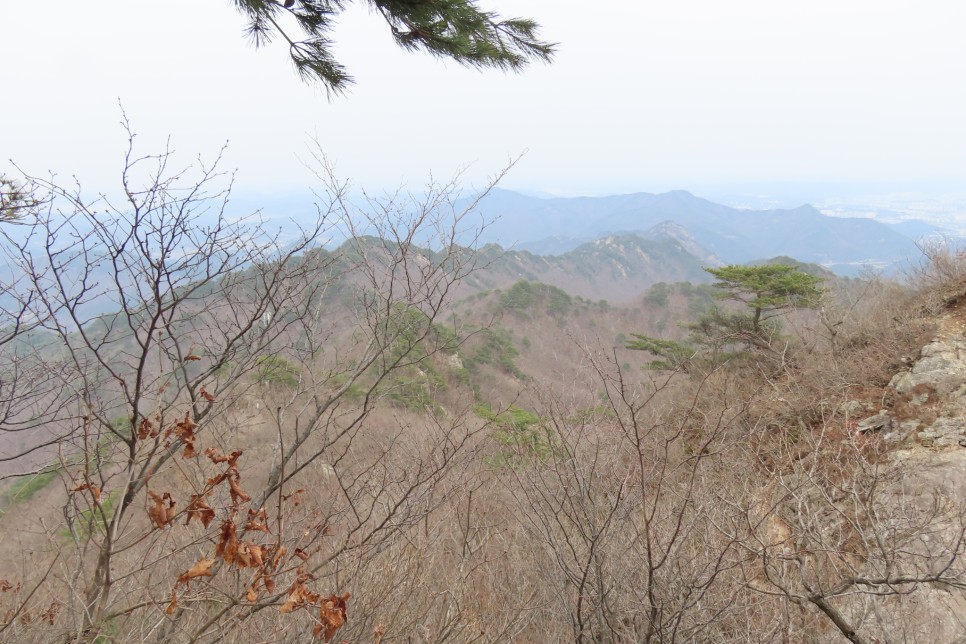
[(856, 536), (182, 356), (638, 546)]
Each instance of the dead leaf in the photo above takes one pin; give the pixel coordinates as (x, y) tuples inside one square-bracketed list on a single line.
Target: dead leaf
[(249, 555), (296, 497), (191, 357), (95, 491), (237, 494), (160, 514), (333, 613), (50, 614), (216, 457), (377, 633), (199, 508), (200, 569), (173, 606), (204, 394), (146, 429), (227, 546), (278, 556), (257, 520), (185, 430), (299, 594)]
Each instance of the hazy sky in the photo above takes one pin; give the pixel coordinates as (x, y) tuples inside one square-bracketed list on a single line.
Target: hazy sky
[(643, 95)]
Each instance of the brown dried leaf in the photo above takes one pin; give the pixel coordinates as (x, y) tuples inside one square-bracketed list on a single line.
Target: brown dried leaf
[(191, 357), (298, 596), (333, 613), (160, 514), (237, 494), (50, 614), (216, 480), (185, 430), (199, 508), (204, 394), (227, 546), (252, 595), (201, 569), (217, 457), (95, 491), (146, 429), (377, 633), (173, 606), (278, 556), (249, 555), (257, 520)]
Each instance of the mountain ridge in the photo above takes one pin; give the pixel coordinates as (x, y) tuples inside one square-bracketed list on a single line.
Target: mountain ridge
[(731, 234)]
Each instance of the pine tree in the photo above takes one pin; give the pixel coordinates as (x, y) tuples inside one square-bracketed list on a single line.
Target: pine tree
[(768, 290), (455, 29)]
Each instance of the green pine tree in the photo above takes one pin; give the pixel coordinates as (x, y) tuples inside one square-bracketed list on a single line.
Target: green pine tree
[(768, 290), (454, 29)]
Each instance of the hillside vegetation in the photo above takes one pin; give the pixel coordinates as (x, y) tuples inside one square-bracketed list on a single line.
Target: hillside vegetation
[(392, 441)]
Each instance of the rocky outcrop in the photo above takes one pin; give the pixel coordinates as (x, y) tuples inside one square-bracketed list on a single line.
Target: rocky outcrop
[(933, 396)]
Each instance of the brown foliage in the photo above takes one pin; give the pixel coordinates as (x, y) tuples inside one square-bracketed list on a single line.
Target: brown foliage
[(199, 508), (95, 491), (201, 569), (333, 613), (161, 515), (184, 430)]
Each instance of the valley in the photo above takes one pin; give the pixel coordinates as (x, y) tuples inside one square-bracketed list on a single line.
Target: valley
[(629, 440)]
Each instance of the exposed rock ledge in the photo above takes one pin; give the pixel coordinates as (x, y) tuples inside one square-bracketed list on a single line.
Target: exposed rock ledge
[(934, 390)]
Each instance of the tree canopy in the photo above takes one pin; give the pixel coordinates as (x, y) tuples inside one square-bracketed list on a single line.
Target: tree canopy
[(767, 290), (454, 29)]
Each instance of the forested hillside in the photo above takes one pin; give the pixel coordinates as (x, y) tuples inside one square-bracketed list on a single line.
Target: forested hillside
[(395, 441)]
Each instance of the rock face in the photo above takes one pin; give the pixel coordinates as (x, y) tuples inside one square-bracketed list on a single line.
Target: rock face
[(927, 425), (935, 386), (941, 368)]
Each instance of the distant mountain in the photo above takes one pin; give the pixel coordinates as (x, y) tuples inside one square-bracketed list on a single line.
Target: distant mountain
[(614, 267), (730, 234), (553, 245), (811, 269), (917, 229), (670, 231)]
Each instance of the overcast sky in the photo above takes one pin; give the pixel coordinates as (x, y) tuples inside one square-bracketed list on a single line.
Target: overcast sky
[(643, 95)]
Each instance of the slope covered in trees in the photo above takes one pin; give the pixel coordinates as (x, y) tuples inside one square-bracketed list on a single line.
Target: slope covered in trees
[(282, 442)]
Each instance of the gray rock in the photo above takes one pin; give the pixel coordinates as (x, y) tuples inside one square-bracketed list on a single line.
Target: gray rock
[(901, 431), (879, 422), (944, 432), (853, 408), (942, 367)]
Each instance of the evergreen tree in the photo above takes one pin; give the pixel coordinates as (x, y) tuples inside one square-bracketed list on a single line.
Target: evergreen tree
[(455, 29), (718, 336), (768, 290)]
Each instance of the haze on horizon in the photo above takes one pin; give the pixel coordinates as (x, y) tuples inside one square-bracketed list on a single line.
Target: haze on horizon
[(642, 97)]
